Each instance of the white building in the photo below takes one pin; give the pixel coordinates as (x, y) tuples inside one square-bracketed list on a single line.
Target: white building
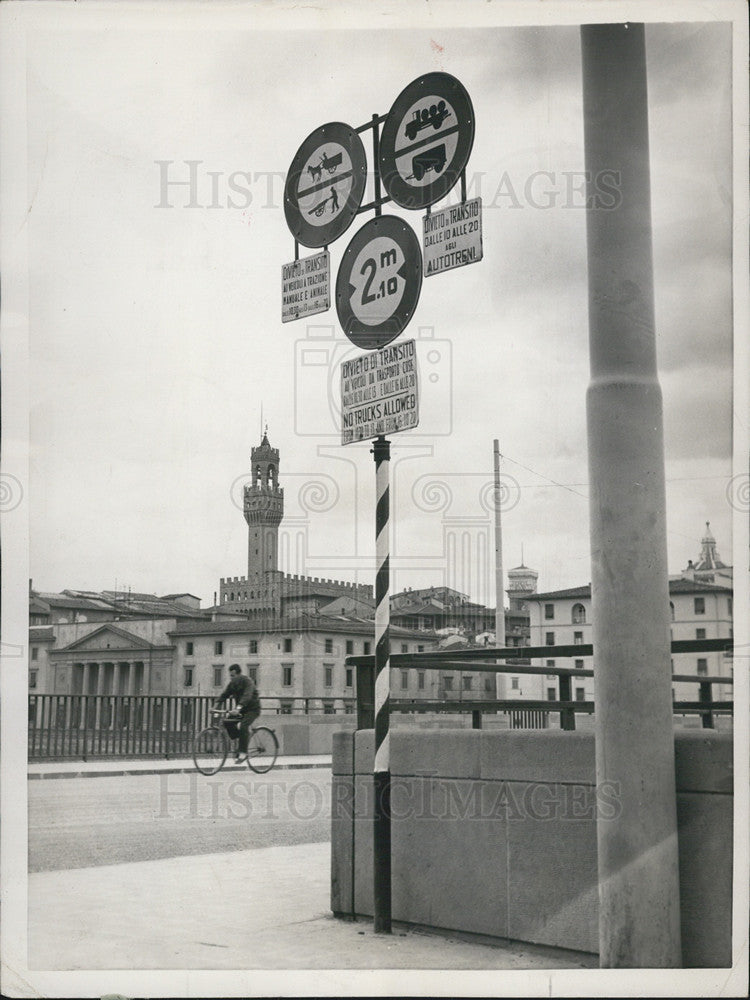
[(698, 610)]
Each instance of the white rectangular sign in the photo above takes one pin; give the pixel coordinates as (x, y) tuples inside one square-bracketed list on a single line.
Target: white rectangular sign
[(305, 287), (379, 393), (452, 237)]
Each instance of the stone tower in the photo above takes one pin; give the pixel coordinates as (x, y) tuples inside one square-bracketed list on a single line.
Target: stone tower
[(522, 583), (264, 509)]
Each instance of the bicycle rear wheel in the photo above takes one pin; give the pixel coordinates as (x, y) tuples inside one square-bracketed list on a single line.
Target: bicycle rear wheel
[(262, 750), (210, 749)]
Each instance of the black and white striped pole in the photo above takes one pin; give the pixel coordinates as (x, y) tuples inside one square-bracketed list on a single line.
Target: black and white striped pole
[(382, 772)]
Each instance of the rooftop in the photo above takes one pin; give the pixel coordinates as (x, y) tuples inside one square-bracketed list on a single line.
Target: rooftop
[(679, 586)]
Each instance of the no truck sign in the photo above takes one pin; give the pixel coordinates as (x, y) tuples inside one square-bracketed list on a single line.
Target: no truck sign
[(379, 393)]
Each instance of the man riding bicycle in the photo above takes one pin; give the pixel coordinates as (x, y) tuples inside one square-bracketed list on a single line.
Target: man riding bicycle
[(244, 693)]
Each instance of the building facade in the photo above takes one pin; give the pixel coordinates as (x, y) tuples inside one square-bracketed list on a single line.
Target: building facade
[(698, 611), (298, 663)]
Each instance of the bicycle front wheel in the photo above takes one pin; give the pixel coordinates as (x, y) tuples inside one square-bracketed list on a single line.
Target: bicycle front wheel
[(262, 750), (210, 749)]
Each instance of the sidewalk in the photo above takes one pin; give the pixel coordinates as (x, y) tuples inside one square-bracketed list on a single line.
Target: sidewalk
[(261, 909), (117, 766)]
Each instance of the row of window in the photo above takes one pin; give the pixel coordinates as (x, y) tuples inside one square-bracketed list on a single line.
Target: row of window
[(577, 615), (287, 674), (549, 638), (287, 647)]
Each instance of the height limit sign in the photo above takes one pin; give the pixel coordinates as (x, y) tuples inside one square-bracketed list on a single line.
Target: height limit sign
[(379, 393)]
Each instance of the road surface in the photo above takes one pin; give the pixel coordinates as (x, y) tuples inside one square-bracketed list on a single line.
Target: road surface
[(84, 822)]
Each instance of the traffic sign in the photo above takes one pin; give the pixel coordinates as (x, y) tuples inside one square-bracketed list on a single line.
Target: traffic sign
[(379, 280), (305, 287), (325, 184), (452, 237), (379, 393), (426, 140)]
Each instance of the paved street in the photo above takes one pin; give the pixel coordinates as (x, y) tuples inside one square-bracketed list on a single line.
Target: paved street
[(84, 822)]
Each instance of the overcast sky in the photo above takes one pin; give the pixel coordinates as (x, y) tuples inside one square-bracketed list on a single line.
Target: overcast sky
[(156, 337)]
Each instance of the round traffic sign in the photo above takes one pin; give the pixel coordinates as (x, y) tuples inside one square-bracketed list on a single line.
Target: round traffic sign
[(426, 140), (325, 184), (379, 280)]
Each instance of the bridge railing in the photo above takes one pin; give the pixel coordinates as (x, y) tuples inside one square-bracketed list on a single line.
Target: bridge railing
[(82, 726), (527, 712)]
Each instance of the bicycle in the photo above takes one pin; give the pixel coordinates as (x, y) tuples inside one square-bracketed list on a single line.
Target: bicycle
[(211, 747)]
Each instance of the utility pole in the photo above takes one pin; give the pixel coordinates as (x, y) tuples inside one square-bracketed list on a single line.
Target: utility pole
[(639, 914)]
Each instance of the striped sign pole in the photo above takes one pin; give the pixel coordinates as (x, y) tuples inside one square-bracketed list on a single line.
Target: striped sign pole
[(382, 774)]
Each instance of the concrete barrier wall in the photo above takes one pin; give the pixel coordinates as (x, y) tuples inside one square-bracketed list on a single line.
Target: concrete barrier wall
[(495, 833), (307, 734)]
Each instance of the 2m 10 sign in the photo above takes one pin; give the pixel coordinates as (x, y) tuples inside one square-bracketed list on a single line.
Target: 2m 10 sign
[(379, 393), (379, 280)]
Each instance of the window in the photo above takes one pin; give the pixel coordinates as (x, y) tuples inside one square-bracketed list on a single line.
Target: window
[(32, 678), (448, 682), (252, 672), (366, 648), (578, 615), (34, 652), (349, 647), (420, 680), (420, 649), (188, 677), (404, 648), (329, 645), (218, 672), (549, 639), (578, 638), (286, 674), (580, 694), (218, 647), (549, 612), (699, 605), (253, 646), (514, 683), (404, 680), (468, 683), (729, 604), (188, 649), (700, 633), (328, 708), (579, 664), (285, 708), (702, 666), (328, 669), (349, 677), (551, 694), (488, 683), (287, 645), (671, 610)]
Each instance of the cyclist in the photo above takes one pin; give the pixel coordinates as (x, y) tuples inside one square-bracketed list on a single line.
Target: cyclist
[(244, 693)]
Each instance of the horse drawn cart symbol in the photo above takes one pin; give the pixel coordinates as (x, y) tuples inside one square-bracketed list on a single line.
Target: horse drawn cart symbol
[(435, 115), (428, 159), (328, 163)]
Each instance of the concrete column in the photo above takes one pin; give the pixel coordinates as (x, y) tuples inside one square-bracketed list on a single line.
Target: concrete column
[(131, 678), (639, 918)]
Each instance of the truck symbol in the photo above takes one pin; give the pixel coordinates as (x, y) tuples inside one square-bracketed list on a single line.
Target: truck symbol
[(435, 115), (428, 159)]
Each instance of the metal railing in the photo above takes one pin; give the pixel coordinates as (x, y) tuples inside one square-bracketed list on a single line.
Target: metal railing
[(527, 712), (83, 726)]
